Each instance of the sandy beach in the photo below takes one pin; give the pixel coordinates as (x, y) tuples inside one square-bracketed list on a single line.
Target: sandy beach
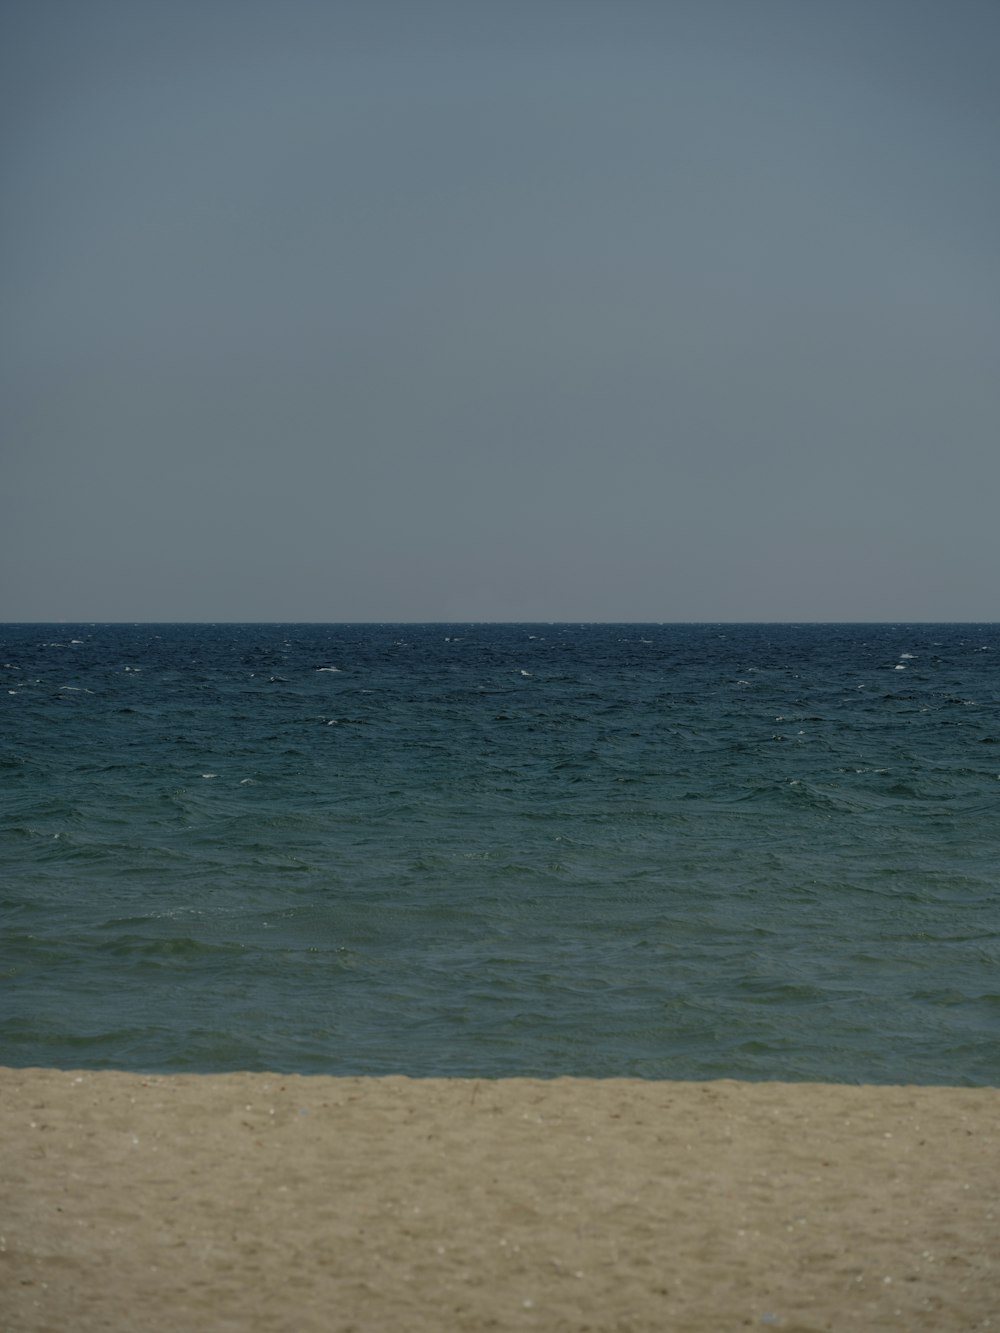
[(260, 1202)]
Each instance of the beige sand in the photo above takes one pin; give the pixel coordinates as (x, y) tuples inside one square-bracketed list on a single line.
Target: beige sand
[(256, 1202)]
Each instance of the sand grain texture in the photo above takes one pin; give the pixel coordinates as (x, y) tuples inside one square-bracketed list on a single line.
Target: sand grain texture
[(256, 1202)]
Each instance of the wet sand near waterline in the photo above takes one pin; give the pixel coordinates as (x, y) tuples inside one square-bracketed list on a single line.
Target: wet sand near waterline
[(259, 1202)]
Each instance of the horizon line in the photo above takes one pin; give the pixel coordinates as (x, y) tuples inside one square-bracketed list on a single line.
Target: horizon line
[(497, 622)]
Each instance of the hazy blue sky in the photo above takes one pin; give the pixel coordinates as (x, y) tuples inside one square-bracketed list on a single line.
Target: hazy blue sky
[(533, 311)]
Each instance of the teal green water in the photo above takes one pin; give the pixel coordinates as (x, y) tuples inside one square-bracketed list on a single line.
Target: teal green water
[(652, 850)]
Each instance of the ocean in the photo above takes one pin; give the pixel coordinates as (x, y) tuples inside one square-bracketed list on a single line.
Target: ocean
[(661, 851)]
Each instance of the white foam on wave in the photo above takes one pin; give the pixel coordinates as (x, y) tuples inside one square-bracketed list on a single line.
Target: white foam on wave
[(328, 668), (525, 673)]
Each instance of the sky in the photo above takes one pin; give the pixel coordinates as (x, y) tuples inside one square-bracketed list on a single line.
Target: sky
[(417, 311)]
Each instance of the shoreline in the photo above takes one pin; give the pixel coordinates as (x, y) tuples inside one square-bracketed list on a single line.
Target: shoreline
[(268, 1202)]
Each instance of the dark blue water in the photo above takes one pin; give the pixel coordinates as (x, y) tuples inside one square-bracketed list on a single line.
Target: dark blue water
[(667, 851)]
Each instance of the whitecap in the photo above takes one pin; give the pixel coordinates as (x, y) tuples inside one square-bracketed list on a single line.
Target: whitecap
[(209, 775), (525, 673), (328, 668), (900, 666)]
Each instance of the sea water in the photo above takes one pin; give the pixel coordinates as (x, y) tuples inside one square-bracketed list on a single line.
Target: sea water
[(666, 851)]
